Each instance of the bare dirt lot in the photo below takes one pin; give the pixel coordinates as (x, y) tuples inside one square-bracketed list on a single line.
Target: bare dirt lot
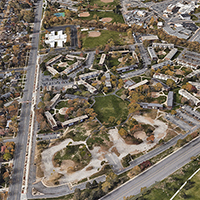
[(106, 19), (84, 14), (94, 34), (140, 134), (67, 165)]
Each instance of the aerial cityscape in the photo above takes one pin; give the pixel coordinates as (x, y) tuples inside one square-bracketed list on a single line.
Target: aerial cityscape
[(99, 99)]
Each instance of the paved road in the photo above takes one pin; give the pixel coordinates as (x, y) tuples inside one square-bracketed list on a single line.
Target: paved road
[(19, 157), (157, 172), (52, 192), (156, 151)]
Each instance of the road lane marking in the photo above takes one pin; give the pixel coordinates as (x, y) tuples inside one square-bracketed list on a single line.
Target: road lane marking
[(152, 175)]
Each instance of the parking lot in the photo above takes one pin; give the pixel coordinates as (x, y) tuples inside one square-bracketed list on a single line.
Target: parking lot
[(48, 136), (191, 112), (186, 118), (175, 120)]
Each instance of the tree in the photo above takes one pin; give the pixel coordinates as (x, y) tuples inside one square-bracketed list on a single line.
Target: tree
[(47, 97), (158, 87), (171, 83), (105, 89), (41, 104), (111, 119), (133, 107), (43, 66), (77, 194), (123, 132), (7, 156), (57, 75)]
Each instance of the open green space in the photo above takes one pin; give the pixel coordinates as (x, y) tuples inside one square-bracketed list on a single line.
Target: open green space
[(115, 17), (111, 106), (191, 189), (101, 4), (62, 104), (166, 189), (78, 153), (90, 42)]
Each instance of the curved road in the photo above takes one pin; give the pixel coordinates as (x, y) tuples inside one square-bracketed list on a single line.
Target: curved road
[(21, 139)]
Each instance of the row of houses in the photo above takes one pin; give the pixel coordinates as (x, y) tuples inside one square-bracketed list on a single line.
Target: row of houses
[(165, 77), (138, 84), (72, 57), (90, 75), (195, 84), (72, 68), (163, 45), (73, 121), (52, 70), (161, 65), (149, 37), (152, 53), (194, 73), (189, 96), (171, 54), (51, 120), (134, 55), (186, 63), (89, 87), (126, 69), (53, 60), (107, 81), (102, 59), (54, 100)]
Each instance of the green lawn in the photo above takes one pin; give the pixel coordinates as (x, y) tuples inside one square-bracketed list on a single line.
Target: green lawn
[(191, 189), (115, 17), (108, 106), (90, 42), (166, 189), (101, 4), (78, 153), (62, 104), (120, 92), (161, 99)]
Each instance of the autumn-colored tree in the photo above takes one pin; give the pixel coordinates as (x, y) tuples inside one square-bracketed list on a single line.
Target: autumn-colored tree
[(123, 132), (105, 89), (47, 97), (158, 87), (171, 83), (111, 119), (151, 138), (7, 156)]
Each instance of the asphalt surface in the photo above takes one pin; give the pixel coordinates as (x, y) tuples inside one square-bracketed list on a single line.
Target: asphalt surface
[(52, 192), (21, 140), (156, 151), (157, 172)]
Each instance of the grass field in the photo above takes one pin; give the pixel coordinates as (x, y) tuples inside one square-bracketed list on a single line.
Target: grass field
[(108, 106), (89, 42), (115, 17), (191, 189), (166, 189), (62, 104), (101, 4)]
